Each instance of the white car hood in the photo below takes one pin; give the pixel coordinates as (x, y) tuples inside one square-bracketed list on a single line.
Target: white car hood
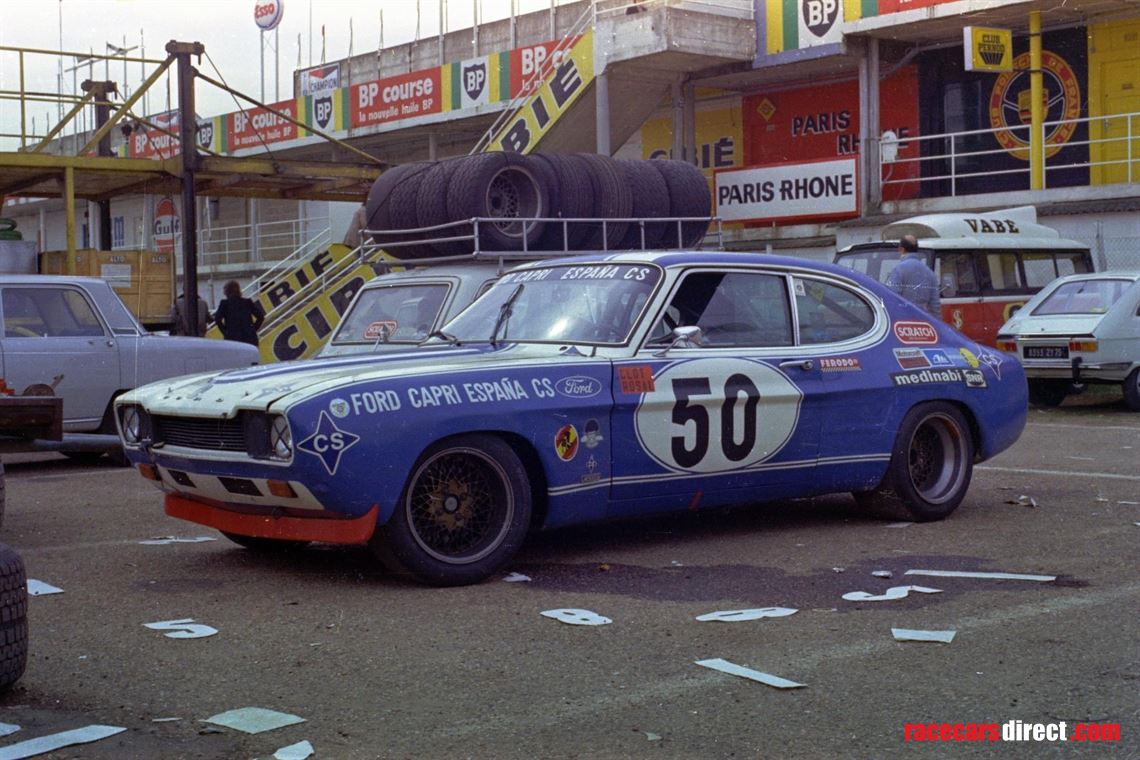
[(1060, 324)]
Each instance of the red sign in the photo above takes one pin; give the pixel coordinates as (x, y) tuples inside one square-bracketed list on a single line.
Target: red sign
[(527, 61), (166, 225), (402, 97), (258, 127), (897, 6), (916, 333), (146, 142)]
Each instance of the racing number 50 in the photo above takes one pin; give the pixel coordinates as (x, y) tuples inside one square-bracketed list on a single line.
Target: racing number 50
[(685, 412)]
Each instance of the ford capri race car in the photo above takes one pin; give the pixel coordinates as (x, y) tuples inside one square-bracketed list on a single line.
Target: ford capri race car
[(587, 388)]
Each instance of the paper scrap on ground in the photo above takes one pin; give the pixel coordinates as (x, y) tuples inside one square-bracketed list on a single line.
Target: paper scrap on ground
[(164, 720), (736, 616), (182, 629), (43, 744), (993, 576), (910, 634), (298, 751), (899, 525), (164, 540), (882, 573), (8, 728), (724, 666), (39, 588), (254, 720), (1130, 503), (577, 617), (649, 735), (517, 578), (895, 592)]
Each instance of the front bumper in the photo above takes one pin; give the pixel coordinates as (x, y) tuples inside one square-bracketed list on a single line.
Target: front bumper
[(330, 530)]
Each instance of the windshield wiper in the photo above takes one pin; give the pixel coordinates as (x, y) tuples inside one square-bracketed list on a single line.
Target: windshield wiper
[(504, 314)]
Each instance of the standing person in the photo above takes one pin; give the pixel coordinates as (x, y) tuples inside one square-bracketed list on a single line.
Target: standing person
[(913, 280), (178, 316), (238, 317)]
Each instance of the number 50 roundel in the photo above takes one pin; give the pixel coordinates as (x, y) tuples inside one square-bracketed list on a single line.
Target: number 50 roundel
[(715, 415)]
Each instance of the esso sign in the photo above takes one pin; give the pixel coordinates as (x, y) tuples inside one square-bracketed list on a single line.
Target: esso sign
[(267, 13)]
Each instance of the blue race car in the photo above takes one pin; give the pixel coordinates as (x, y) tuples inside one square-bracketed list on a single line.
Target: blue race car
[(586, 388)]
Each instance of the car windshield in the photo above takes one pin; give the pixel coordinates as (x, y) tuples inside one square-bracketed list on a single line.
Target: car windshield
[(1083, 297), (397, 313), (597, 303)]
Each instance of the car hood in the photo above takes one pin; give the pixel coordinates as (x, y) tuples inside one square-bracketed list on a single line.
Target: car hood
[(1060, 324), (224, 394)]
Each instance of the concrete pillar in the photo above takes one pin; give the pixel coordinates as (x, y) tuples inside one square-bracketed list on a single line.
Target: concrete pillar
[(869, 144), (433, 146), (602, 121), (690, 152), (678, 94), (865, 135)]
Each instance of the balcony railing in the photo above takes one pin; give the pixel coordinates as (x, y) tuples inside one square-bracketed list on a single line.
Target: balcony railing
[(268, 242)]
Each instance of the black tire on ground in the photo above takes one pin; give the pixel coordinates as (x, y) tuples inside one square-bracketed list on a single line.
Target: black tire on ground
[(463, 514), (13, 617), (404, 214), (612, 200), (931, 464), (571, 197), (377, 209), (650, 201), (1048, 392), (688, 196), (265, 545), (431, 208), (1132, 390), (504, 186)]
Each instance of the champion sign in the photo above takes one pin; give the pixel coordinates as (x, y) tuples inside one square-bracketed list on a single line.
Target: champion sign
[(578, 387), (916, 333)]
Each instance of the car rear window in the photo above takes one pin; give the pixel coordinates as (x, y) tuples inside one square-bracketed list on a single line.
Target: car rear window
[(1083, 297)]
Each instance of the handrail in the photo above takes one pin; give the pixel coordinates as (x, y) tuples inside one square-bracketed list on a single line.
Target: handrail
[(313, 289)]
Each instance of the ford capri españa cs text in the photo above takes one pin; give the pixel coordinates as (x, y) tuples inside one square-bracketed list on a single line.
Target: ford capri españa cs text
[(581, 389)]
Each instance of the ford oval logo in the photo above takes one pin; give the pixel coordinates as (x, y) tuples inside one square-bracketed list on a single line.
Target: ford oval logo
[(578, 387)]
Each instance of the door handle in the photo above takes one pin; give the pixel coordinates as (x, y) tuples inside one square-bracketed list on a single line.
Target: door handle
[(807, 365), (110, 344)]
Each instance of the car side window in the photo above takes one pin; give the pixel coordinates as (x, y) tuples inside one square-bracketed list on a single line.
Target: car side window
[(828, 313), (956, 274), (733, 309), (1039, 269), (1000, 273), (48, 313)]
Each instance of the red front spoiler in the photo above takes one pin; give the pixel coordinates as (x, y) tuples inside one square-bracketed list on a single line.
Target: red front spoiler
[(355, 531)]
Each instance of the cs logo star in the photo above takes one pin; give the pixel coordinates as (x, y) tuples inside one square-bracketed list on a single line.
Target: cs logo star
[(328, 443)]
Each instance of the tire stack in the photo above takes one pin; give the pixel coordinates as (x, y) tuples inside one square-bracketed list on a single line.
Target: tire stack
[(511, 187)]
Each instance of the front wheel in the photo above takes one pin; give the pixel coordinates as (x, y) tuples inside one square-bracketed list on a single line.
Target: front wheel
[(463, 514), (1132, 390), (930, 468)]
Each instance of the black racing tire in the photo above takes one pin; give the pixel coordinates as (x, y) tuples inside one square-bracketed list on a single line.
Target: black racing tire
[(505, 186), (377, 208), (688, 196), (13, 617), (463, 514), (1048, 393), (571, 197), (404, 214), (931, 464), (1132, 390), (650, 201), (431, 208), (612, 200), (265, 545)]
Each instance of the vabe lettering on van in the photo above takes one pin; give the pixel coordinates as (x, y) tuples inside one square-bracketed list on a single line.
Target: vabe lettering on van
[(993, 226)]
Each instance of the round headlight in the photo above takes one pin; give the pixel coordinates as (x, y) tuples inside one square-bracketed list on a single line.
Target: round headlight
[(280, 439), (132, 425)]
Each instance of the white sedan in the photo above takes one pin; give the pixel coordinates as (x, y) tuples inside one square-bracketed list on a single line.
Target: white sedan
[(1084, 328)]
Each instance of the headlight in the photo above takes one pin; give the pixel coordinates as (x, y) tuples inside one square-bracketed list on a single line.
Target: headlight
[(280, 439), (132, 425)]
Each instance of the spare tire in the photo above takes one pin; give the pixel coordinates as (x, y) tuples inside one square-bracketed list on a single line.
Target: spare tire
[(404, 215), (650, 197), (431, 208), (612, 200), (571, 197), (13, 617), (377, 214), (688, 196), (504, 186)]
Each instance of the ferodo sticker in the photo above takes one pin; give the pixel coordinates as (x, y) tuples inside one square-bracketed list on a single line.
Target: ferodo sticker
[(916, 333), (840, 364), (726, 414), (566, 443)]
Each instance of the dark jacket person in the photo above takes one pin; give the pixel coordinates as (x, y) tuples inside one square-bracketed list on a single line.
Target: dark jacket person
[(238, 317)]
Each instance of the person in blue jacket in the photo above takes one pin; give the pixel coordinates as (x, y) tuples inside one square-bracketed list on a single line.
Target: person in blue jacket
[(913, 280)]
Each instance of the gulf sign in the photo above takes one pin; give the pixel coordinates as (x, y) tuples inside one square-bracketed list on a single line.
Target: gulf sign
[(401, 97), (259, 127), (827, 189)]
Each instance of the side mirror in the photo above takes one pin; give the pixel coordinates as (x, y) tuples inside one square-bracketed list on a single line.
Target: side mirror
[(684, 336)]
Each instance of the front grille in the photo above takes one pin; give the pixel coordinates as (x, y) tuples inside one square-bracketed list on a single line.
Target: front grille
[(198, 433)]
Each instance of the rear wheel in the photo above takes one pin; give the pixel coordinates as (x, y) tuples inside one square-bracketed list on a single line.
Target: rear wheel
[(930, 468), (1048, 392), (463, 514), (1132, 390), (13, 617), (266, 545)]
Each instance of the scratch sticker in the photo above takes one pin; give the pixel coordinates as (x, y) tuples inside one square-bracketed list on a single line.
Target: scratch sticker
[(182, 629), (566, 443), (572, 616), (736, 616), (896, 592), (637, 379)]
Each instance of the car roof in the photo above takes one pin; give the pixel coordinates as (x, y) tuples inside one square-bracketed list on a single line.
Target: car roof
[(40, 279), (1112, 274), (692, 258)]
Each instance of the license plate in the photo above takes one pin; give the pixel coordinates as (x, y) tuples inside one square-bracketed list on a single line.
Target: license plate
[(1046, 352)]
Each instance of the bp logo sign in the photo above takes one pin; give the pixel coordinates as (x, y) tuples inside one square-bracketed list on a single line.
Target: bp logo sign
[(323, 111), (206, 133), (1010, 105), (819, 16)]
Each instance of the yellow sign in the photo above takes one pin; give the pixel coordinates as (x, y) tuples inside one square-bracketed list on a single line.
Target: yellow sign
[(987, 49), (719, 138), (561, 89)]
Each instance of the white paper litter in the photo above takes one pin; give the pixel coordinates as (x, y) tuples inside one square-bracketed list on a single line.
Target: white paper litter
[(882, 573), (164, 720), (517, 578), (838, 569), (1130, 503), (164, 540), (898, 525), (910, 634), (992, 576), (7, 729), (736, 616), (650, 736), (298, 751), (895, 592), (52, 742), (724, 666), (577, 617), (253, 720), (39, 588), (182, 629)]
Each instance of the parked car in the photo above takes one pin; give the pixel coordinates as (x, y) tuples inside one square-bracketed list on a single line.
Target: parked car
[(1080, 329), (73, 337), (581, 389)]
